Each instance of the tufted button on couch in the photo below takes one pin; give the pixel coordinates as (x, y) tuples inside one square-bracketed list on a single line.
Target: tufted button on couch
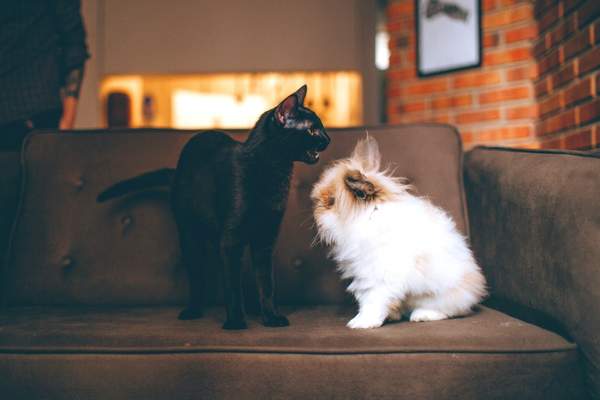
[(91, 292)]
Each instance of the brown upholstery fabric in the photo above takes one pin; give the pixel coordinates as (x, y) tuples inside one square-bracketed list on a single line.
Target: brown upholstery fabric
[(317, 329), (145, 353), (535, 223), (126, 251), (440, 376)]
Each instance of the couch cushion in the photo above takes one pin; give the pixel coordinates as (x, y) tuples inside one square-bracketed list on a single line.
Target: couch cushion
[(318, 329), (67, 249), (486, 355)]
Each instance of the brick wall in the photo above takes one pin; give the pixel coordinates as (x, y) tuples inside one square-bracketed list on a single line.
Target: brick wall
[(567, 88), (502, 101)]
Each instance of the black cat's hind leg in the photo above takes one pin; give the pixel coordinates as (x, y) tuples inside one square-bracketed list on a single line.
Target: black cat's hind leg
[(262, 254), (231, 255), (193, 250)]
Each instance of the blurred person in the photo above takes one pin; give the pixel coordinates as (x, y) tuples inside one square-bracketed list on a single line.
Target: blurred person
[(42, 56)]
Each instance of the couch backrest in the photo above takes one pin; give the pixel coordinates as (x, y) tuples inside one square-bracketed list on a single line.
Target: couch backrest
[(10, 187), (68, 249)]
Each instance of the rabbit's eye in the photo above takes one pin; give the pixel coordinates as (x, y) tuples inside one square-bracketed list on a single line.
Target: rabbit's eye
[(330, 201)]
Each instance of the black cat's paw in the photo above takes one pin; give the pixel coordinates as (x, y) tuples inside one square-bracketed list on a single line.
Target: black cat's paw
[(190, 313), (235, 324), (275, 321)]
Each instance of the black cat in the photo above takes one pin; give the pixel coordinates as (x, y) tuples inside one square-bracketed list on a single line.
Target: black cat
[(226, 195)]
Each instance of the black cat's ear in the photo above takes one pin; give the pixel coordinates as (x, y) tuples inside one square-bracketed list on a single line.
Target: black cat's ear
[(288, 107), (301, 94)]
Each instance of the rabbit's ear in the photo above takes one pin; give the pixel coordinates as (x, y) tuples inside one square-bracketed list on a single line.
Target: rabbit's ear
[(359, 185), (366, 154)]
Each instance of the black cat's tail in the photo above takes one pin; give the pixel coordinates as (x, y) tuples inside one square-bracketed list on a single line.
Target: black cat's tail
[(161, 177)]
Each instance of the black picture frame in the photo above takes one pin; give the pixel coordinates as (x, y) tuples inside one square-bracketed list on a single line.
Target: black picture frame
[(477, 36)]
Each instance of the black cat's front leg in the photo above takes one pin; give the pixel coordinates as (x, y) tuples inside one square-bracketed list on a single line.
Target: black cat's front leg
[(262, 256), (231, 254)]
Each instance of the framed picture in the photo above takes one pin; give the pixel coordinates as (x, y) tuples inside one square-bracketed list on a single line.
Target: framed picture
[(448, 35)]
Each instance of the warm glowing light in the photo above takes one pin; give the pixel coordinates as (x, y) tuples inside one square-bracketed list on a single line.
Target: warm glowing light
[(201, 110), (205, 101)]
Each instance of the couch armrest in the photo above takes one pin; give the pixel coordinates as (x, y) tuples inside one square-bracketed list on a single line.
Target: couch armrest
[(10, 188), (535, 229)]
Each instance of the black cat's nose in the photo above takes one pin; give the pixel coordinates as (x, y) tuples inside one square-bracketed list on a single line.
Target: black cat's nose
[(324, 140)]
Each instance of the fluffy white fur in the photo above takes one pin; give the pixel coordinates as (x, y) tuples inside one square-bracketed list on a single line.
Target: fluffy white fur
[(404, 255)]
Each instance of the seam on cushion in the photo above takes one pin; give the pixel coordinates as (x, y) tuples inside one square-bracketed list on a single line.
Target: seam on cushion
[(16, 220), (461, 181), (178, 350), (538, 151)]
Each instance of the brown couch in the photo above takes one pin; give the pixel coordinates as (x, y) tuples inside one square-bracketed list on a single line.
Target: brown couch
[(92, 291)]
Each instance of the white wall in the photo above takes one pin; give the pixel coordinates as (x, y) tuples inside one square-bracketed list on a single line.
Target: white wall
[(179, 36)]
